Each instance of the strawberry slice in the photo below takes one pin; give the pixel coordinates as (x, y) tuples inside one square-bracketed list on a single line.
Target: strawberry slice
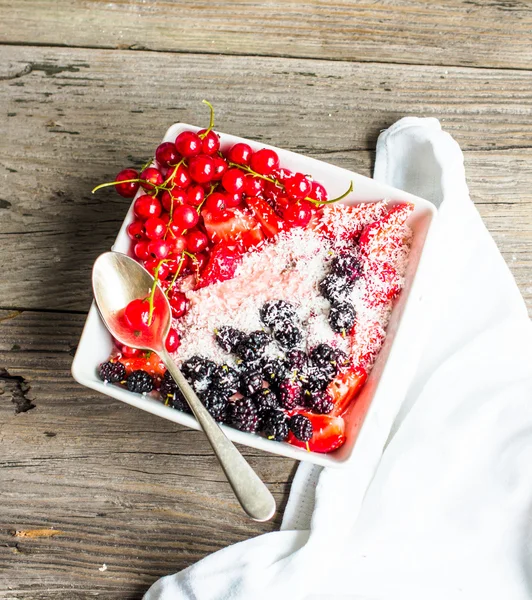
[(149, 362), (345, 387), (270, 223), (386, 231), (329, 433), (233, 226), (223, 262)]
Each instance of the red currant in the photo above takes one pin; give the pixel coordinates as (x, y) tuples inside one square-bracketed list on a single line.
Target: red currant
[(282, 203), (141, 250), (176, 244), (166, 155), (135, 230), (175, 230), (284, 174), (155, 228), (185, 217), (298, 214), (165, 217), (220, 167), (178, 304), (158, 249), (151, 177), (265, 161), (188, 144), (180, 178), (156, 265), (271, 191), (216, 202), (318, 192), (233, 200), (210, 144), (253, 186), (175, 197), (128, 351), (233, 181), (195, 195), (298, 187), (127, 190), (201, 168), (172, 340), (202, 258), (196, 241), (137, 314), (240, 154), (146, 206)]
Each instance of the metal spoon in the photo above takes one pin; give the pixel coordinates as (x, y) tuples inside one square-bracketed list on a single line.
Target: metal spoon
[(116, 281)]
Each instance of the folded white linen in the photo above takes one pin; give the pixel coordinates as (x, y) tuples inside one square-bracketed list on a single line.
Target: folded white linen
[(442, 509)]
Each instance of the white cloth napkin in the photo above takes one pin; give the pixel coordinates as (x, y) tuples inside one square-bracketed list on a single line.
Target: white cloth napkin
[(446, 512)]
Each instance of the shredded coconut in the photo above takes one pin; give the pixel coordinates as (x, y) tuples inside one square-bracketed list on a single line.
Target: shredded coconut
[(291, 269)]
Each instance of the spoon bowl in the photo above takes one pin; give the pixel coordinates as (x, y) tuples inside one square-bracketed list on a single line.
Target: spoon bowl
[(117, 280)]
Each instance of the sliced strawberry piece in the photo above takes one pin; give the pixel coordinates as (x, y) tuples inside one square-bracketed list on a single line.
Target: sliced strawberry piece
[(271, 224), (329, 433), (223, 262), (345, 387), (233, 226), (384, 283), (385, 232), (149, 362)]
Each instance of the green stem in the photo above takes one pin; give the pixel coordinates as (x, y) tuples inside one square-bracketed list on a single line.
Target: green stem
[(176, 274), (255, 174), (108, 184), (152, 292), (320, 202), (211, 121), (174, 171)]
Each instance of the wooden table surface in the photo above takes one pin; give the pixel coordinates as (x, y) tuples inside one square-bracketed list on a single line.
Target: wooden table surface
[(88, 88)]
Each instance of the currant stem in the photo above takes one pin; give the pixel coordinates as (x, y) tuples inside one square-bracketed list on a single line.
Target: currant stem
[(211, 121), (320, 202), (174, 171), (152, 292), (255, 174), (176, 275), (108, 184)]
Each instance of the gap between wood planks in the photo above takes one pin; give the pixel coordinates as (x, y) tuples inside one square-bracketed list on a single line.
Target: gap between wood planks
[(135, 48)]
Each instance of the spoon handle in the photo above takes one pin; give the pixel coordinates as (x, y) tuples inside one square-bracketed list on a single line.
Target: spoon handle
[(253, 495)]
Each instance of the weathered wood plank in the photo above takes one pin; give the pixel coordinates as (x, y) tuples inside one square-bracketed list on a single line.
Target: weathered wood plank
[(79, 116), (143, 495), (494, 34)]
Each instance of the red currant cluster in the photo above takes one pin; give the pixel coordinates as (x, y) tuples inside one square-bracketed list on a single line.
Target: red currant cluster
[(201, 206)]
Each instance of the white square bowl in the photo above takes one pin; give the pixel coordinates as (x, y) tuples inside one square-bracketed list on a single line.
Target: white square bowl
[(394, 366)]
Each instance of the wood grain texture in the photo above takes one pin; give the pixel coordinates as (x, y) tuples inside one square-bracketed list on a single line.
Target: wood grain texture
[(138, 493), (446, 32), (78, 116)]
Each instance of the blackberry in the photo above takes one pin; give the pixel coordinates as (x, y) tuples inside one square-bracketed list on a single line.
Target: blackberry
[(172, 395), (216, 403), (251, 348), (290, 393), (250, 382), (316, 379), (228, 338), (277, 311), (112, 372), (275, 370), (140, 382), (197, 368), (346, 265), (275, 426), (342, 318), (328, 359), (335, 288), (243, 415), (287, 335), (297, 360), (265, 400), (301, 427), (320, 403), (226, 380)]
